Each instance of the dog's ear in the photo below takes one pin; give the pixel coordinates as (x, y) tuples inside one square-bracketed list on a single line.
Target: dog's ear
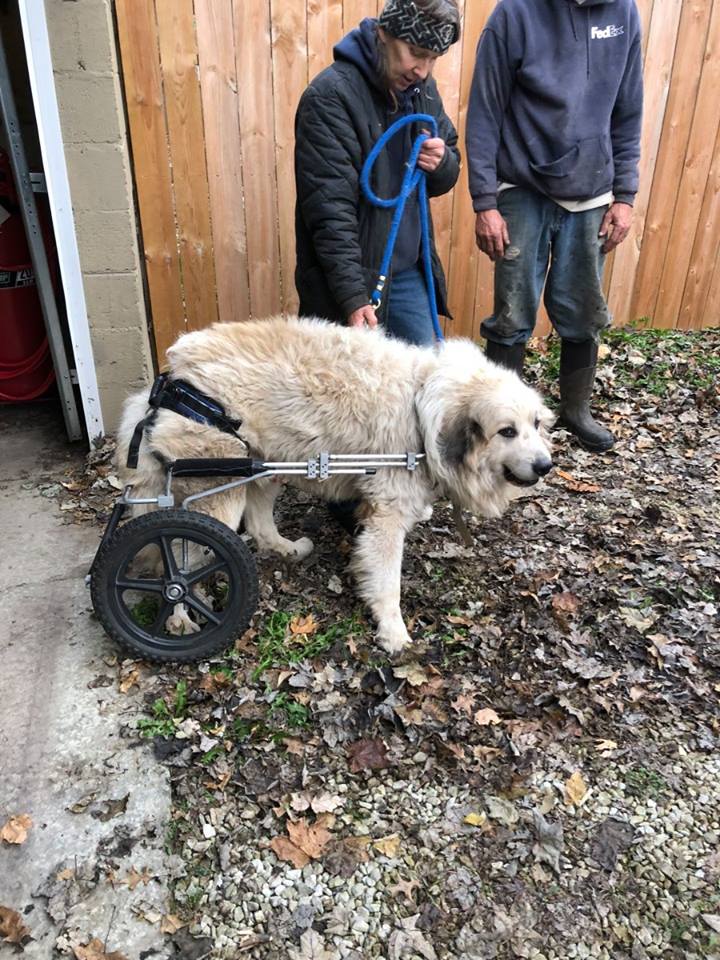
[(458, 437)]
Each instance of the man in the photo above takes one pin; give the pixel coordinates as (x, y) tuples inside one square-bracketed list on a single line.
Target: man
[(553, 143)]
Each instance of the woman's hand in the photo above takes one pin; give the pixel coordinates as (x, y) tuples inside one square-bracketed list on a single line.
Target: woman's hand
[(431, 154), (363, 317)]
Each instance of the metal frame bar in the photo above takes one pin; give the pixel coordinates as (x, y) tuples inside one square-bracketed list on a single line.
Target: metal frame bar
[(319, 468), (38, 255), (42, 84)]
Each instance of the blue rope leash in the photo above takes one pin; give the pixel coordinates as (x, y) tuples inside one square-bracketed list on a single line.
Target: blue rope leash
[(414, 179)]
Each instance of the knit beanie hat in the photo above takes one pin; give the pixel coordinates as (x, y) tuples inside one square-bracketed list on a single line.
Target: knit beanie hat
[(403, 20)]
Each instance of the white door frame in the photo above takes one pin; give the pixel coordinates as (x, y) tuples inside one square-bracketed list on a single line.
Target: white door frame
[(42, 83)]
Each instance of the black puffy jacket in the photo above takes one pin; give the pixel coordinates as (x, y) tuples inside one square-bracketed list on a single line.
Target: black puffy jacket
[(340, 236)]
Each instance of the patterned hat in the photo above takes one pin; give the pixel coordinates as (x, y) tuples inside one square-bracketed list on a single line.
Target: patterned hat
[(403, 20)]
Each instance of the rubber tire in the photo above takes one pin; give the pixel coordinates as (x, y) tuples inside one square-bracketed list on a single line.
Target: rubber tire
[(130, 537)]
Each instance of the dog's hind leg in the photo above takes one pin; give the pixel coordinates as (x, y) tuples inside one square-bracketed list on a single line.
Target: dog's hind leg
[(377, 565), (260, 523)]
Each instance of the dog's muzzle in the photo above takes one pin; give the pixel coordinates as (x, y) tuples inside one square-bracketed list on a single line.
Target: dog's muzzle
[(539, 468)]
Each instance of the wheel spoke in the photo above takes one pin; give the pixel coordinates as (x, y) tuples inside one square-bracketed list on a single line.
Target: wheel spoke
[(200, 607), (205, 572), (165, 610), (171, 569), (146, 586)]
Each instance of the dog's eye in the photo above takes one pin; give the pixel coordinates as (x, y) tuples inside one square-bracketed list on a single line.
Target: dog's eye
[(508, 432), (537, 423)]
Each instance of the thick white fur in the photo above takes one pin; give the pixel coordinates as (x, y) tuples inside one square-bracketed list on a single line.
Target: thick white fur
[(301, 386)]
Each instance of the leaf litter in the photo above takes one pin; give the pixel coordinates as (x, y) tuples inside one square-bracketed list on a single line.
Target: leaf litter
[(506, 786)]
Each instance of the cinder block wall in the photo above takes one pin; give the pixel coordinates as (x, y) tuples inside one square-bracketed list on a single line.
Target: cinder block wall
[(96, 148)]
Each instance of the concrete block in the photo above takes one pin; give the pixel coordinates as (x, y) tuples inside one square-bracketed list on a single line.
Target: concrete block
[(81, 35), (121, 354), (106, 241), (89, 108), (115, 301), (98, 176)]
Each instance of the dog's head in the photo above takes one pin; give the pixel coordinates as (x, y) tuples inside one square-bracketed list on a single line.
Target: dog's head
[(486, 432)]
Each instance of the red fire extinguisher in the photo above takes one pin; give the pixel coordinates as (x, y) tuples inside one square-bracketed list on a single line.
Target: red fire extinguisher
[(26, 370)]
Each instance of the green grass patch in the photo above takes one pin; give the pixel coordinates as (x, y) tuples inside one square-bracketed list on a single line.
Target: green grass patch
[(643, 782), (163, 718), (279, 647)]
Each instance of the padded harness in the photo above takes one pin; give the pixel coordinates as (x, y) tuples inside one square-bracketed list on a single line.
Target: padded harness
[(181, 397)]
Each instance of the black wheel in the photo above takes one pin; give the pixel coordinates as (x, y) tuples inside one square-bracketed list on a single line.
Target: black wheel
[(174, 585)]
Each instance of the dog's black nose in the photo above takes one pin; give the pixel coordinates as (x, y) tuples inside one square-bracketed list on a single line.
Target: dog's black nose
[(541, 467)]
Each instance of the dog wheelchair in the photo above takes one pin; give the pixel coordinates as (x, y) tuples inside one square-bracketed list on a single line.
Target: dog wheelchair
[(200, 590)]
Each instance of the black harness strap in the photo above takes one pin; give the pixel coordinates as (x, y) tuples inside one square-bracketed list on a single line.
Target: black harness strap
[(181, 397)]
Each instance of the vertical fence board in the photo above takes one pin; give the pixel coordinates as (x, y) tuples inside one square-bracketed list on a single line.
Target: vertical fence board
[(138, 37), (289, 45), (324, 30), (685, 79), (447, 75), (256, 112), (218, 82), (704, 252), (712, 306), (658, 67), (694, 177), (464, 255), (356, 10), (178, 62)]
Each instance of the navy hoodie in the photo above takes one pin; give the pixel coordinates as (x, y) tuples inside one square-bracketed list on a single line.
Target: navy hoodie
[(360, 48), (556, 100)]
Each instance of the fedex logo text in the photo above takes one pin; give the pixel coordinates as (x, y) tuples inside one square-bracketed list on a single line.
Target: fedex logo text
[(606, 33)]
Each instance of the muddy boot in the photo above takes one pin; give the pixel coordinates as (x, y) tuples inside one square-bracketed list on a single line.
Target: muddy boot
[(512, 357), (577, 376)]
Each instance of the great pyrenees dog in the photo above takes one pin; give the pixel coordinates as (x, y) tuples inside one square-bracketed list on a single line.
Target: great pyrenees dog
[(301, 386)]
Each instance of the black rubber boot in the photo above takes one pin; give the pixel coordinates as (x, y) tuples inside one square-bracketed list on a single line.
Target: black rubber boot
[(512, 357), (577, 376)]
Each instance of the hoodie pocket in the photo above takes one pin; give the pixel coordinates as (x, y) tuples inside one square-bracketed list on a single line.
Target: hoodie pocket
[(582, 171)]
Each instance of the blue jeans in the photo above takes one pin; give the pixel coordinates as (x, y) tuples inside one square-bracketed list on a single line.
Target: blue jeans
[(407, 312), (542, 232)]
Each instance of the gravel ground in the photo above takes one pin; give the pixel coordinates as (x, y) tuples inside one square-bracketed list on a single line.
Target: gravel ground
[(538, 777)]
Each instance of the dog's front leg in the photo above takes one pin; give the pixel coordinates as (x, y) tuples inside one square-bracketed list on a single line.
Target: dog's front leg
[(377, 564)]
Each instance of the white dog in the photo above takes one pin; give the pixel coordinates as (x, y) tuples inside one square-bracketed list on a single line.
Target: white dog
[(301, 386)]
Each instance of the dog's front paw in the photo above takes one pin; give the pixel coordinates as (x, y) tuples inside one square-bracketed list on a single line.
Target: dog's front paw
[(393, 636), (302, 548)]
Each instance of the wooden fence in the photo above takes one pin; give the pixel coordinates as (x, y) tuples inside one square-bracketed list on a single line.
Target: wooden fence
[(211, 89)]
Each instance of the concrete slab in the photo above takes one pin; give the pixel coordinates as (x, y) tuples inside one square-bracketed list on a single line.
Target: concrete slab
[(99, 803)]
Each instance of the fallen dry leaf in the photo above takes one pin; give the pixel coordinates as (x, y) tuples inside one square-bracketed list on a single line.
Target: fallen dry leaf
[(575, 790), (95, 950), (475, 819), (129, 680), (368, 754), (388, 846), (285, 849), (305, 842), (16, 829), (303, 626), (12, 929), (413, 673), (605, 746), (170, 924), (133, 878), (487, 717), (565, 604), (577, 486), (310, 838)]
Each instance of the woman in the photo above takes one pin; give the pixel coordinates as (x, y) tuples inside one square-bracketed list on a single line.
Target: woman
[(382, 71)]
